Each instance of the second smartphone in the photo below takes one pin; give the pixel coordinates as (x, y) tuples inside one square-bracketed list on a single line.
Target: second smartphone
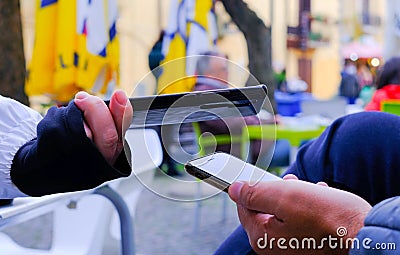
[(221, 170)]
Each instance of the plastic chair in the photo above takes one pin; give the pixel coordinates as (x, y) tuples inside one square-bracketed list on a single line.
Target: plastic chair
[(146, 156), (86, 228), (391, 106)]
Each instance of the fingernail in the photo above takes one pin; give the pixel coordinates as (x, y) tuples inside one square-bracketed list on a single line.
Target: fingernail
[(234, 190), (121, 98), (81, 95)]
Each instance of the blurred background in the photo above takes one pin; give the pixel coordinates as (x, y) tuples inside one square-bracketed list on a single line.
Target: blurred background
[(310, 39), (300, 49)]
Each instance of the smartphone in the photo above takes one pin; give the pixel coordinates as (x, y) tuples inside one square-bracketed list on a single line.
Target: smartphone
[(220, 170), (197, 106)]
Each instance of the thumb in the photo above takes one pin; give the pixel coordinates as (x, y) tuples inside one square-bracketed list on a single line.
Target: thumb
[(234, 191)]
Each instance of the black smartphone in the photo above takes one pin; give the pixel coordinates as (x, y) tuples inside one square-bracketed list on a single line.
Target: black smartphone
[(197, 106), (220, 170)]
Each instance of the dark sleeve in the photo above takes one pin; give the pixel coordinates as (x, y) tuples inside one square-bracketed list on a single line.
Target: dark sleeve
[(381, 231), (358, 153), (62, 158)]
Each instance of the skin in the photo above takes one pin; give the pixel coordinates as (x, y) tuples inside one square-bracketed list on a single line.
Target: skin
[(106, 126), (296, 209), (218, 68)]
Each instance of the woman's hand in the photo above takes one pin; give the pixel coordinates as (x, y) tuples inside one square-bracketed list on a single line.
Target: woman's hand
[(106, 126)]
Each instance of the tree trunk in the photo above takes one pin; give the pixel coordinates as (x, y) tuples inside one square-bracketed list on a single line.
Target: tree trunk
[(12, 64), (258, 38)]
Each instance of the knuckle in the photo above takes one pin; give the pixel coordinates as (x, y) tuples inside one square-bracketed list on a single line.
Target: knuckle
[(97, 102), (250, 196), (109, 138), (93, 103)]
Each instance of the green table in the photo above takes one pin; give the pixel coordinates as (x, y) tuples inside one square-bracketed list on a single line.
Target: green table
[(276, 132)]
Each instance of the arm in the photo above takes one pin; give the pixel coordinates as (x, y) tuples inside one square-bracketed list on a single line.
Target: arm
[(71, 154), (17, 127)]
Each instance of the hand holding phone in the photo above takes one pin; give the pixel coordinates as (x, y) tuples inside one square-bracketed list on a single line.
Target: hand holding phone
[(221, 170)]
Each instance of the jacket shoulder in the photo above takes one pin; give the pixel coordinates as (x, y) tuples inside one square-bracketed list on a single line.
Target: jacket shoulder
[(381, 231)]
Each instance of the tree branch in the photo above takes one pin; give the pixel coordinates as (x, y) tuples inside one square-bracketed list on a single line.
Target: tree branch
[(258, 38)]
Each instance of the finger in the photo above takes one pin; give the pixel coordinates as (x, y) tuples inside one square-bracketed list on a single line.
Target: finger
[(100, 121), (257, 197), (121, 111), (257, 224), (88, 131), (245, 217), (290, 177), (271, 197), (251, 219)]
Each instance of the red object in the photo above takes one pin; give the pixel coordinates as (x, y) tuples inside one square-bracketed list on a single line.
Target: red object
[(388, 92)]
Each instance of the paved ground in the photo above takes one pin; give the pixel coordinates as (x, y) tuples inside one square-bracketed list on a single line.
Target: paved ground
[(167, 227), (162, 226)]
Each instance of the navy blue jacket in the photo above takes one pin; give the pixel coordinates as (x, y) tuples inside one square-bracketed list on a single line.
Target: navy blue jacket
[(62, 158), (381, 231), (360, 153)]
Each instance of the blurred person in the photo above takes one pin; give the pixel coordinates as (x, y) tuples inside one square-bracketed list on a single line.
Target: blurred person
[(366, 94), (354, 154), (212, 73), (280, 76), (364, 74), (349, 86), (387, 85), (72, 148), (156, 56)]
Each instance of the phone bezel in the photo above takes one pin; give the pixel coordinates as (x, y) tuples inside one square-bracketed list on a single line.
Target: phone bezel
[(218, 182), (207, 177)]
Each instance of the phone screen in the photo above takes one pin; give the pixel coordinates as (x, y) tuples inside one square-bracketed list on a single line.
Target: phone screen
[(221, 169)]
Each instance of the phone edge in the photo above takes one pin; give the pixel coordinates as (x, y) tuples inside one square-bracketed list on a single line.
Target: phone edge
[(207, 177)]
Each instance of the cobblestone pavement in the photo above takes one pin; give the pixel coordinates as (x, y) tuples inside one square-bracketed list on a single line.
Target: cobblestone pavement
[(162, 226), (167, 227)]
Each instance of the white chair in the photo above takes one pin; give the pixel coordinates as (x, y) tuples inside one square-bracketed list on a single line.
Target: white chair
[(85, 229), (146, 154)]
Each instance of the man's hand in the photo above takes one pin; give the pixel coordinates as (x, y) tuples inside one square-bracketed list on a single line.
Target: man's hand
[(295, 209), (106, 126)]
